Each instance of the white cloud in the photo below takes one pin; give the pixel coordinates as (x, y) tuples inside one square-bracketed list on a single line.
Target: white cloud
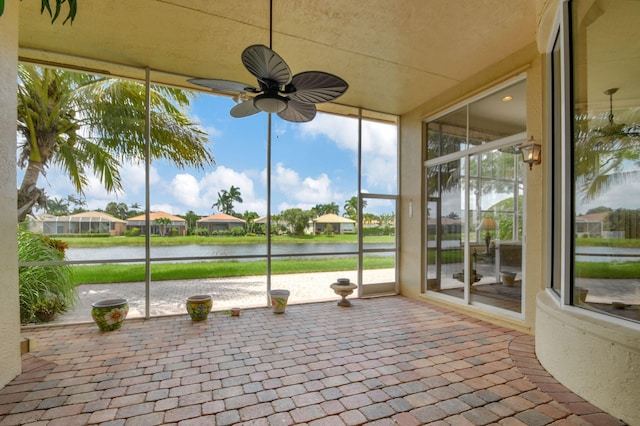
[(306, 191), (199, 195), (133, 180), (379, 147), (343, 131), (167, 208), (616, 197), (185, 190)]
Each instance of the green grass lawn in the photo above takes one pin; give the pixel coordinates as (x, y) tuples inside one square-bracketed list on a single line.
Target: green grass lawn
[(608, 242), (116, 273), (607, 270)]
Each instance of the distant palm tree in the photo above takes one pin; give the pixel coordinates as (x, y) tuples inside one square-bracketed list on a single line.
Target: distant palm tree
[(162, 223), (226, 200), (57, 206), (90, 124), (322, 209), (351, 208)]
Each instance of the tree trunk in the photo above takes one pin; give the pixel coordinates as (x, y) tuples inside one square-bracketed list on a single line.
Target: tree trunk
[(28, 194)]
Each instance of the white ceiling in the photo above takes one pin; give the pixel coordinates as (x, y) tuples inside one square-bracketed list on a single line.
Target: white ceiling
[(395, 55)]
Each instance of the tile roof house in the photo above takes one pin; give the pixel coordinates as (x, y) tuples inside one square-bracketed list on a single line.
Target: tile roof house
[(337, 224), (157, 228), (91, 222), (220, 222)]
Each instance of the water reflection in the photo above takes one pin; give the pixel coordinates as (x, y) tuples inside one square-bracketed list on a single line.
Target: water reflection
[(213, 250)]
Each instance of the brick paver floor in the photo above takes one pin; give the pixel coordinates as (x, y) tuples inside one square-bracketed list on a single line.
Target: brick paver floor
[(384, 361)]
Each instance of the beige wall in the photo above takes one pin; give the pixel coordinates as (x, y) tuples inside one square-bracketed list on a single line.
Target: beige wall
[(9, 306), (526, 61), (599, 359)]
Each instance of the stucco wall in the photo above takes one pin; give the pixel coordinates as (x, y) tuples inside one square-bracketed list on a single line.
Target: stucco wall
[(597, 358), (9, 307)]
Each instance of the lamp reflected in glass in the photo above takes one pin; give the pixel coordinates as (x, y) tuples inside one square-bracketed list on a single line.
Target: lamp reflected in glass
[(488, 224), (531, 152)]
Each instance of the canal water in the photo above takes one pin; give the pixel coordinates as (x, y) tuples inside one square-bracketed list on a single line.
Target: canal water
[(212, 250)]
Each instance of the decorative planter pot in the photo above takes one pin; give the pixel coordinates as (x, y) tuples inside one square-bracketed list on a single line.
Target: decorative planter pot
[(235, 312), (343, 289), (508, 278), (109, 314), (279, 300), (199, 307)]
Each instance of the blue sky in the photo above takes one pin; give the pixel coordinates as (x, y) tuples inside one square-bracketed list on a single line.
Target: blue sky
[(312, 163)]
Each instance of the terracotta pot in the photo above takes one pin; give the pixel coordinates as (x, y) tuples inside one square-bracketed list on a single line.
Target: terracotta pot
[(199, 307), (109, 314)]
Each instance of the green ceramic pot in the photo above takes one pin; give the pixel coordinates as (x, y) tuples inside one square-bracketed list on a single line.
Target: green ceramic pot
[(199, 306), (109, 314)]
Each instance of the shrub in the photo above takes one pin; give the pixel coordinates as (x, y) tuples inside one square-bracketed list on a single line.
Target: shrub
[(44, 290), (201, 232), (237, 231), (133, 232)]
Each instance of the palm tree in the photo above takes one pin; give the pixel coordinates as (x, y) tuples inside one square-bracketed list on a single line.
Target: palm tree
[(57, 207), (191, 219), (89, 124), (119, 210), (322, 209), (78, 203), (602, 158), (45, 5), (234, 195), (162, 223), (351, 208), (226, 199)]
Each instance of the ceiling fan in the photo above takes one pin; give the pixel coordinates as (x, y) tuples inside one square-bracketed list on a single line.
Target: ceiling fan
[(616, 130), (292, 97)]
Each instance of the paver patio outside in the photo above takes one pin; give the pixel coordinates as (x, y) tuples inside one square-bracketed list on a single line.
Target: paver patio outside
[(384, 361)]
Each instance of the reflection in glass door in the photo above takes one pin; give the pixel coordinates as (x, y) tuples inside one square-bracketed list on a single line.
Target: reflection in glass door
[(495, 218), (445, 224), (475, 253)]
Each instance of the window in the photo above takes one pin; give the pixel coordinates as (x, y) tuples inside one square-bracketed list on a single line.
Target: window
[(556, 163), (600, 178)]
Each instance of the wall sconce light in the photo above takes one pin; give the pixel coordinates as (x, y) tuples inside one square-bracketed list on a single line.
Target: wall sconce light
[(531, 152)]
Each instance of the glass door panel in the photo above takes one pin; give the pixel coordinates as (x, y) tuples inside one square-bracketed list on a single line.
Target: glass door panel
[(445, 223), (495, 231)]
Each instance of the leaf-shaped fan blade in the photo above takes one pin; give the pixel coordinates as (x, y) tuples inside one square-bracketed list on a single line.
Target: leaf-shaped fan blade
[(266, 64), (244, 109), (298, 112), (223, 85), (317, 86)]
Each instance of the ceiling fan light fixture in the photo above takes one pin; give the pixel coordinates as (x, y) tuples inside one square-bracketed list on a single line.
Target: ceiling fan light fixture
[(270, 103)]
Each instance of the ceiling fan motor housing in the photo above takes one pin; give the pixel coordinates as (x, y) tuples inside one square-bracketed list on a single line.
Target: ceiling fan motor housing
[(270, 102)]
